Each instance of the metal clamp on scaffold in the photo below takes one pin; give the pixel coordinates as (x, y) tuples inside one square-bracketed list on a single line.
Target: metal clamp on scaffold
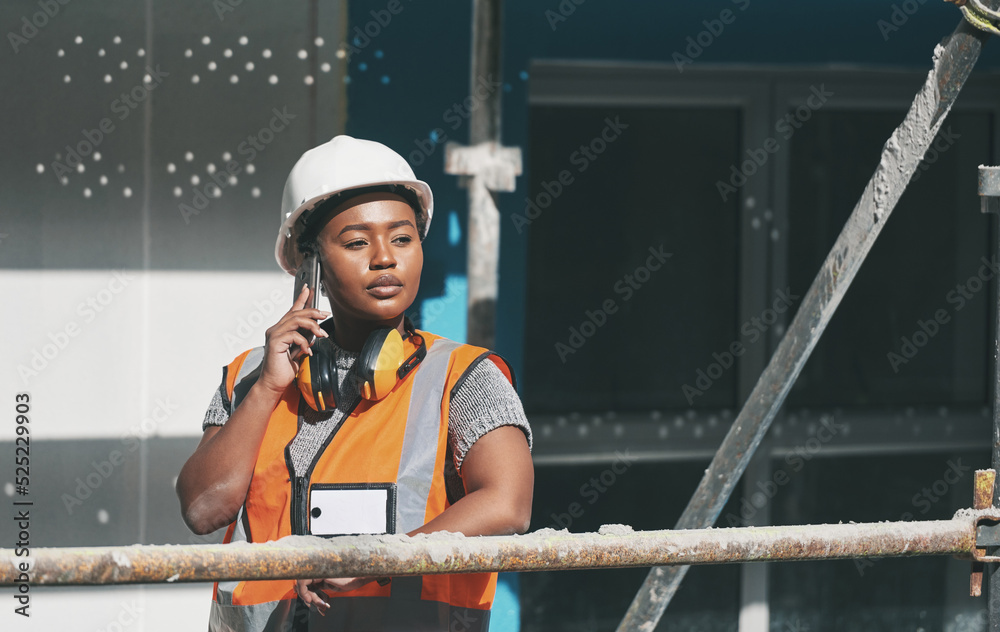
[(979, 15), (989, 188), (982, 498)]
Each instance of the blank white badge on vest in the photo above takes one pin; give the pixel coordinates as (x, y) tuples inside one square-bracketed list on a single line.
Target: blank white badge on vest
[(352, 509)]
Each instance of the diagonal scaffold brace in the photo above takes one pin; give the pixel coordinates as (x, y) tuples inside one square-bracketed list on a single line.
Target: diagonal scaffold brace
[(954, 59)]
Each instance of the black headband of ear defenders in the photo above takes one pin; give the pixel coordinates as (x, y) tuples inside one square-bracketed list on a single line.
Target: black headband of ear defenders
[(314, 220)]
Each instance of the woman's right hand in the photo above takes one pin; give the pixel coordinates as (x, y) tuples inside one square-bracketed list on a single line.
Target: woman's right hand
[(284, 339)]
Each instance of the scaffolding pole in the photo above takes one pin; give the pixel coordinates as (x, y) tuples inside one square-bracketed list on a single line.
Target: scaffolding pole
[(297, 557), (486, 168), (901, 155)]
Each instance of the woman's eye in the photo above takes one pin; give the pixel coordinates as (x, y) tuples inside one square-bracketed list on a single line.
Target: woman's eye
[(404, 239), (355, 244)]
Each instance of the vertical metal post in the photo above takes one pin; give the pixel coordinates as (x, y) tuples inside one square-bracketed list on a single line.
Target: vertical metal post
[(989, 191), (755, 613), (487, 168), (484, 218)]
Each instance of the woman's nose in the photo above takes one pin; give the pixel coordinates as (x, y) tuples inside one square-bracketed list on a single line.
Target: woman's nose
[(382, 257)]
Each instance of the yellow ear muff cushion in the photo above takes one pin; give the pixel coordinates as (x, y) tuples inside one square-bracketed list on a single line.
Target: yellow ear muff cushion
[(304, 381), (390, 357), (376, 366)]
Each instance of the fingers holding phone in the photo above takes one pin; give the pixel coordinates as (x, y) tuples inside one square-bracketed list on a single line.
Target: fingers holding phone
[(288, 339)]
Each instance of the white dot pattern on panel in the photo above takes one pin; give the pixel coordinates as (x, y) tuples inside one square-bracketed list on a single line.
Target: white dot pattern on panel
[(172, 168)]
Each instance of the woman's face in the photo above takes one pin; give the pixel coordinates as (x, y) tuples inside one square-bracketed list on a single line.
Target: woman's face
[(371, 257)]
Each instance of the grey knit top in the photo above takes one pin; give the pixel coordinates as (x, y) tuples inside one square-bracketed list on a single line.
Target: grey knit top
[(484, 401)]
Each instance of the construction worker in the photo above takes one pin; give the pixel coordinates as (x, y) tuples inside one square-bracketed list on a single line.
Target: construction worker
[(359, 423)]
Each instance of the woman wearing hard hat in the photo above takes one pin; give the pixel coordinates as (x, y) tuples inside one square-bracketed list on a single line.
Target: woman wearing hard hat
[(370, 427)]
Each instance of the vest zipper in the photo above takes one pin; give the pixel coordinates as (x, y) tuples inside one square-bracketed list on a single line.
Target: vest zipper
[(299, 489), (300, 484)]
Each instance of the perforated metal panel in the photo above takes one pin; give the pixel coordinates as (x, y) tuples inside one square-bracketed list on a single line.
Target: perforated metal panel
[(151, 134)]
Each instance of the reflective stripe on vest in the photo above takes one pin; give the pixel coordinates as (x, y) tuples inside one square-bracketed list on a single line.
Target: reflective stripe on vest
[(416, 465), (252, 364)]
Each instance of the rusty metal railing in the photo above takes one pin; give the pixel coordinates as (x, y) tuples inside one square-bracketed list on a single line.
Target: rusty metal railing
[(545, 550)]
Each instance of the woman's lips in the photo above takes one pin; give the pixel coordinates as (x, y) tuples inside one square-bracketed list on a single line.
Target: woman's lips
[(386, 286), (385, 291)]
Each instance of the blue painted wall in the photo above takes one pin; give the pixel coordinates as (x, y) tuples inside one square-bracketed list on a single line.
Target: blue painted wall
[(409, 78)]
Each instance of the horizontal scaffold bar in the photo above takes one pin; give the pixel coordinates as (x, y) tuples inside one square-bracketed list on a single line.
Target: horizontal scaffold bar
[(397, 555)]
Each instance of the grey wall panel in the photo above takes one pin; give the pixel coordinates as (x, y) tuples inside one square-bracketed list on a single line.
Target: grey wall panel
[(57, 92), (85, 493), (88, 64), (257, 107), (104, 492)]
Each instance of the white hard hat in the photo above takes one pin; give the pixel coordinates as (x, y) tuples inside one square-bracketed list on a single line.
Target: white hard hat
[(338, 165)]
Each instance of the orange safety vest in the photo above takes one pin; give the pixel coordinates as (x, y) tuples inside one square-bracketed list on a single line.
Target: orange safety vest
[(400, 439)]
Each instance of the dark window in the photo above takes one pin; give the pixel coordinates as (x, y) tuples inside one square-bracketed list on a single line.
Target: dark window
[(934, 241), (651, 190)]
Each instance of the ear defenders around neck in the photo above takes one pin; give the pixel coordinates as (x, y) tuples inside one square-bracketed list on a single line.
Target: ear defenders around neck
[(381, 364)]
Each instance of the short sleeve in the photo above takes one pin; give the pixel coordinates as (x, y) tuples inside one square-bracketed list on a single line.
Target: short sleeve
[(484, 401), (217, 414)]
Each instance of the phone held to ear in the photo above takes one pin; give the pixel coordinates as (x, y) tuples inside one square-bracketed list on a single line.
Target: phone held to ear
[(307, 274)]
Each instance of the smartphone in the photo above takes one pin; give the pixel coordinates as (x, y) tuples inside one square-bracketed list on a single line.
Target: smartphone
[(308, 273)]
